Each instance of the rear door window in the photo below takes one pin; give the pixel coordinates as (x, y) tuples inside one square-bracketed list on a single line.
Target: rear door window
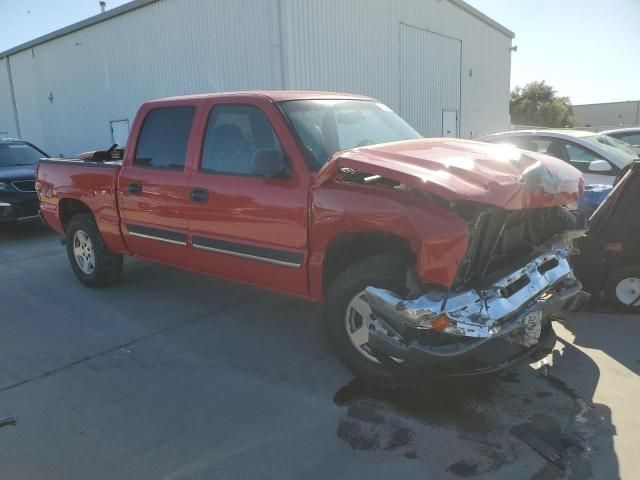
[(164, 138)]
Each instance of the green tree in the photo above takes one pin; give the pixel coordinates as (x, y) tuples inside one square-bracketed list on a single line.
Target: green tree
[(537, 105)]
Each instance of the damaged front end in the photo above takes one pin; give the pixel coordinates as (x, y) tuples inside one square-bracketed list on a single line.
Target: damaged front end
[(514, 280), (495, 305)]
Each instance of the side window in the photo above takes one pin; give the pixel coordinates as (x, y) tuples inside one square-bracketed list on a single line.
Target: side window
[(580, 157), (557, 148), (164, 138), (234, 134), (540, 145)]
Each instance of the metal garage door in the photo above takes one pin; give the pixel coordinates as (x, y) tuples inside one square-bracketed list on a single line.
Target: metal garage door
[(429, 80)]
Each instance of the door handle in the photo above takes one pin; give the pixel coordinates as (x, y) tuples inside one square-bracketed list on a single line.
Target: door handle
[(134, 188), (199, 195)]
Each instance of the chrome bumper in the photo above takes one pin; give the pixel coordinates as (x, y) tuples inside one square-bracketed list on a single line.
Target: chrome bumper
[(497, 307)]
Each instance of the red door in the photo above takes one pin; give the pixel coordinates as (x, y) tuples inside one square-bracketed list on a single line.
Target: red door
[(153, 185), (244, 226)]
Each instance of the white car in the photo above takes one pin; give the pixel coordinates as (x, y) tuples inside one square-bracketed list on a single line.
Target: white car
[(600, 158), (628, 135)]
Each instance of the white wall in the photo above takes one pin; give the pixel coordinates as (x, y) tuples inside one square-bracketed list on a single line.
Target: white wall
[(172, 47), (175, 47), (7, 117), (354, 46), (608, 115)]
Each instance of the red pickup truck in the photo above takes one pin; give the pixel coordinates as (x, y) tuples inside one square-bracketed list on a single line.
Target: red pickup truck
[(433, 256)]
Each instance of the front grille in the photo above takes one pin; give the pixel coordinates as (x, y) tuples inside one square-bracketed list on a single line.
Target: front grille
[(24, 185), (499, 237)]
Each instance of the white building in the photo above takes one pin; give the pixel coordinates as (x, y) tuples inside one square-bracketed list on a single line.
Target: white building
[(443, 65), (606, 116)]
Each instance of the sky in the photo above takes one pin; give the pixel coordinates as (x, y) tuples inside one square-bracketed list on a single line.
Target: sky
[(588, 50)]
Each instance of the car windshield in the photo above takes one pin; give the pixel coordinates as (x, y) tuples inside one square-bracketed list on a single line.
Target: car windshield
[(618, 148), (329, 126), (13, 154)]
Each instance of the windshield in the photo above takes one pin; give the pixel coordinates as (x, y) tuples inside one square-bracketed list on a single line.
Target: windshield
[(329, 126), (13, 154), (619, 149)]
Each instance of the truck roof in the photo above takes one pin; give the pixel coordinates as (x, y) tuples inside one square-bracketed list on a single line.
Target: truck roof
[(275, 95)]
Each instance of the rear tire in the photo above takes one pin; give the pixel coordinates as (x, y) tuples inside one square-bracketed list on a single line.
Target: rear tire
[(92, 262), (622, 287), (382, 271)]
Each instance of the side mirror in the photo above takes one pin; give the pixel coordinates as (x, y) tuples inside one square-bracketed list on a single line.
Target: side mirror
[(269, 163), (600, 166)]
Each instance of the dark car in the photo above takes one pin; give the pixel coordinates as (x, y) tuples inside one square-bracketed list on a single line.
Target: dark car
[(608, 255), (18, 197)]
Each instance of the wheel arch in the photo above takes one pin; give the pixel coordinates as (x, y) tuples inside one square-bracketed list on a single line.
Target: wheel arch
[(346, 249), (68, 208)]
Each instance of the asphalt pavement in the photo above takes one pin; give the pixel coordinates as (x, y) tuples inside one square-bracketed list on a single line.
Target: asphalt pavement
[(172, 375)]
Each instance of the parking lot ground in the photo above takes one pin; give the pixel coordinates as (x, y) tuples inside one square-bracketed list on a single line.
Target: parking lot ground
[(171, 375)]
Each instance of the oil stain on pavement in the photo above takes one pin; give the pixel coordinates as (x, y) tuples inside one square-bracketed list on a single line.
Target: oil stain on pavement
[(490, 420), (420, 423)]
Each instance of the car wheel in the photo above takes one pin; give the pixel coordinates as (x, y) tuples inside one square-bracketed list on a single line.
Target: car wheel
[(92, 262), (623, 289), (348, 317)]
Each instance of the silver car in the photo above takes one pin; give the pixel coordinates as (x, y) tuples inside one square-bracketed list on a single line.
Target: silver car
[(599, 157), (628, 135)]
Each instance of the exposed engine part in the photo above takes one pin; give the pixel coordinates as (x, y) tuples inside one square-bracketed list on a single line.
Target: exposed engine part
[(498, 237)]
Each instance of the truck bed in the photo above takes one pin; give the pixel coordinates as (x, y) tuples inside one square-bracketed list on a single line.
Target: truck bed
[(91, 183)]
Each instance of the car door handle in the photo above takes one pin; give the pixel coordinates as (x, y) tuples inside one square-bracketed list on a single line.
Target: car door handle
[(199, 195), (134, 188)]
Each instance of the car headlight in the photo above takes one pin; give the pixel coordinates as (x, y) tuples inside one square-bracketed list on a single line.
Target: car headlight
[(4, 186)]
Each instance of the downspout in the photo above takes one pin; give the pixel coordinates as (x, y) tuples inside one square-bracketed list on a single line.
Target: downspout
[(13, 99), (283, 72)]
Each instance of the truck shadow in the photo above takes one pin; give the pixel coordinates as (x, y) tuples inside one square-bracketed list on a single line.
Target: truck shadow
[(611, 332)]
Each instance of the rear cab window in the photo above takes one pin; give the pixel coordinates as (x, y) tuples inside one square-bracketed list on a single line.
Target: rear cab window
[(164, 138)]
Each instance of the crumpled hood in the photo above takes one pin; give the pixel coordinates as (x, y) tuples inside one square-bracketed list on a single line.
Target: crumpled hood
[(466, 170)]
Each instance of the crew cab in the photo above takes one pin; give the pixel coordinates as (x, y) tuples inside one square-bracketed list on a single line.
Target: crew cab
[(433, 256)]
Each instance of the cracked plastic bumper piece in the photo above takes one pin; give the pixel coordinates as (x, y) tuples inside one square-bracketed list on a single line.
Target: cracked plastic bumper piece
[(510, 307)]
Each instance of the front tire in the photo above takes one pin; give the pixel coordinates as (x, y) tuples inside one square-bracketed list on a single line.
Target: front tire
[(347, 321), (623, 289), (92, 262)]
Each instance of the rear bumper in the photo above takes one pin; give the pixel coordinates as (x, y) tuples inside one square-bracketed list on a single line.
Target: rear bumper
[(484, 329)]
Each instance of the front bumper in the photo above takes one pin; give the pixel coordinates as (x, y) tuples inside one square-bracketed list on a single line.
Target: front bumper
[(18, 206), (506, 318)]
